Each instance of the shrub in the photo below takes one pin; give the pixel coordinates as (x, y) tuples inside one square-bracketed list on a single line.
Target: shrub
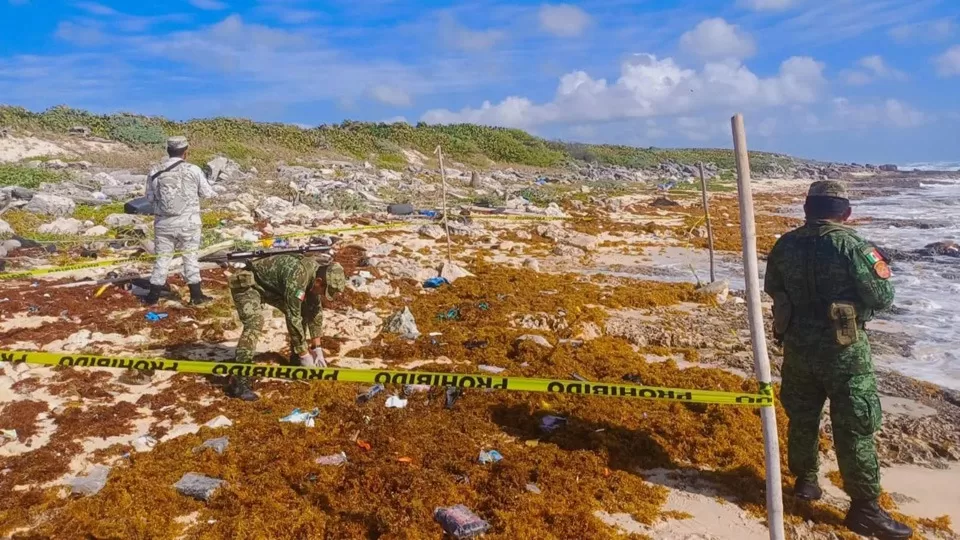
[(135, 131), (26, 177)]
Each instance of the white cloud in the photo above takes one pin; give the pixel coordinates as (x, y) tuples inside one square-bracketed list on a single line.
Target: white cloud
[(716, 38), (871, 68), (85, 35), (390, 95), (97, 9), (766, 5), (563, 20), (650, 87), (948, 63), (209, 5), (891, 112), (925, 31), (463, 38)]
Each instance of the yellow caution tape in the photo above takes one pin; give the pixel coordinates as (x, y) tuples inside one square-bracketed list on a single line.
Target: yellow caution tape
[(369, 376), (495, 217)]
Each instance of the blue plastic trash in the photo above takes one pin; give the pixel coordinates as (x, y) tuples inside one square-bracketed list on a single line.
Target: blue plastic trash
[(429, 213), (490, 456), (434, 283), (549, 424), (153, 316)]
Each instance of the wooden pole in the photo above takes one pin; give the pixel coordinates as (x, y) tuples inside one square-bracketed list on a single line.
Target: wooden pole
[(443, 178), (761, 362), (706, 215)]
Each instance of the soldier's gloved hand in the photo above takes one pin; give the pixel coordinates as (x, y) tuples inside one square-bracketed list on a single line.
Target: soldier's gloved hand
[(318, 355), (307, 360)]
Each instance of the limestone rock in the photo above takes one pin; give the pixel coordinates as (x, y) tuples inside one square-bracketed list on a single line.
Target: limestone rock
[(431, 231), (452, 272), (90, 484), (51, 205), (198, 486), (582, 241), (274, 209), (568, 251), (99, 230), (66, 226), (718, 289), (532, 264), (121, 220), (5, 229), (224, 169), (534, 338)]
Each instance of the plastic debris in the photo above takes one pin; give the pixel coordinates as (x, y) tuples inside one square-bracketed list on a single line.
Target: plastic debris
[(404, 460), (578, 377), (491, 369), (533, 488), (403, 323), (9, 434), (483, 306), (153, 316), (452, 314), (298, 417), (198, 486), (434, 282), (429, 213), (395, 402), (460, 522), (490, 456), (370, 392), (364, 444), (101, 290), (549, 424), (334, 460), (453, 394), (410, 389), (219, 445), (219, 422), (90, 484), (144, 443)]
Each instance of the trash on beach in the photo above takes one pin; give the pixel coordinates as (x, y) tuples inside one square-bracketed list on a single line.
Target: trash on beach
[(370, 392), (434, 282), (90, 484), (9, 434), (453, 394), (549, 424), (404, 460), (144, 443), (483, 306), (460, 522), (198, 486), (410, 389), (429, 213), (452, 314), (490, 456), (334, 460), (153, 316), (219, 422), (578, 377), (298, 417), (101, 290), (219, 445), (491, 369), (396, 402), (364, 444), (533, 488)]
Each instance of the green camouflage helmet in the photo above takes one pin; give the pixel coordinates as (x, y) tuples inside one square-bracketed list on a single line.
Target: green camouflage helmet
[(828, 188), (335, 279)]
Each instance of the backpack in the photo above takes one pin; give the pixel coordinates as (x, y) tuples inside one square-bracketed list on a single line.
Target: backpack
[(168, 192)]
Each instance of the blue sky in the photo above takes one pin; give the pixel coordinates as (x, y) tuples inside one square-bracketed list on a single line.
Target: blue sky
[(852, 80)]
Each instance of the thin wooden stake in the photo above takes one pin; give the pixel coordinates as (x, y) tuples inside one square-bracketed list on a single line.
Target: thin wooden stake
[(443, 178), (761, 362), (706, 214)]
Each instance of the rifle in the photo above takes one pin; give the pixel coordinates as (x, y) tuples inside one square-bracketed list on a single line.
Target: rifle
[(235, 256)]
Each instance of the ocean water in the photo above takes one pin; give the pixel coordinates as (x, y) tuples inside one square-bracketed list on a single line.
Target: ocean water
[(927, 306)]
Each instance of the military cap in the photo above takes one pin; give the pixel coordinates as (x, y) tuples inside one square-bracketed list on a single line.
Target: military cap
[(335, 279), (177, 143), (828, 188)]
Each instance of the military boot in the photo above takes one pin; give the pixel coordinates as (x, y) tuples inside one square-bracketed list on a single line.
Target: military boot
[(866, 518), (807, 490), (153, 297), (239, 387), (196, 295)]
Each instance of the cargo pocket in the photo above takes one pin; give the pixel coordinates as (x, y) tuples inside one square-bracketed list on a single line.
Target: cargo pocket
[(867, 412)]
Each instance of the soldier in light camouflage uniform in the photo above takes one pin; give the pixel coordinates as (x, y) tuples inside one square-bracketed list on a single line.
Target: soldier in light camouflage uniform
[(293, 284), (826, 283), (174, 188)]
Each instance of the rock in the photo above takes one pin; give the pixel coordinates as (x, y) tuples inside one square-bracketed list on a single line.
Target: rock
[(568, 251), (663, 202), (99, 230), (5, 229), (66, 226), (474, 179), (54, 164), (219, 445), (403, 323), (273, 209), (224, 169), (582, 241), (390, 176), (551, 231), (198, 486), (104, 180), (51, 205), (720, 290), (82, 165), (462, 229), (219, 422), (524, 235), (249, 200), (535, 338), (80, 131), (23, 194), (532, 264), (90, 484), (431, 231), (121, 220), (11, 245), (553, 210), (889, 168), (946, 247), (451, 272)]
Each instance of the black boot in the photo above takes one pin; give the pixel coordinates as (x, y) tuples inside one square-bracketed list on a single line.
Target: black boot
[(866, 518), (807, 490), (239, 387), (153, 297), (196, 295)]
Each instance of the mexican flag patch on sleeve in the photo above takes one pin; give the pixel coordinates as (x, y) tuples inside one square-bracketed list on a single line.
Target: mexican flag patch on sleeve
[(880, 266), (301, 294), (874, 256)]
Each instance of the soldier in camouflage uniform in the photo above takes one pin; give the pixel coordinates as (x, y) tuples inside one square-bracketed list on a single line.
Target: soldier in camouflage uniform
[(827, 282), (174, 188), (293, 284)]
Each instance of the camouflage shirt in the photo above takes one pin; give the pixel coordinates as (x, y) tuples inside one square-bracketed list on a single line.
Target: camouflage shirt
[(175, 188), (821, 263), (285, 282)]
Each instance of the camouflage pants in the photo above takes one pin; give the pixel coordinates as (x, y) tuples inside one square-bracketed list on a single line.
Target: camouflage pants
[(249, 304), (812, 373), (167, 242)]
